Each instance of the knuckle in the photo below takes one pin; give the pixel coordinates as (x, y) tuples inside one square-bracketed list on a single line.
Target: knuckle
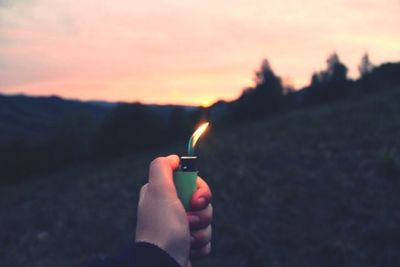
[(207, 215), (204, 235), (201, 252), (155, 190), (143, 188), (156, 162), (210, 210), (204, 251), (142, 192), (207, 249)]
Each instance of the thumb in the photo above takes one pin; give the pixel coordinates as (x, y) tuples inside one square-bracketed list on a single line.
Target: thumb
[(161, 169)]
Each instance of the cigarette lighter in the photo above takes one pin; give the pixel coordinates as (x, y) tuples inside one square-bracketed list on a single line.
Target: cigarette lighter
[(185, 177)]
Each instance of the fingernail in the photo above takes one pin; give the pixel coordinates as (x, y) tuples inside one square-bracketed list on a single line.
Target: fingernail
[(193, 219)]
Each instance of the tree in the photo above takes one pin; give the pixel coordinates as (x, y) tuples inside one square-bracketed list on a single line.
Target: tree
[(265, 76), (329, 84), (337, 71), (264, 99), (365, 66), (315, 79)]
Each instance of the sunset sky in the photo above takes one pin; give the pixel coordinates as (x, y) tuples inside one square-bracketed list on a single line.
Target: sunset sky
[(183, 51)]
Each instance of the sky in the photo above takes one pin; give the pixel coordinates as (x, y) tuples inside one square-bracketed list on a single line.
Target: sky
[(183, 51)]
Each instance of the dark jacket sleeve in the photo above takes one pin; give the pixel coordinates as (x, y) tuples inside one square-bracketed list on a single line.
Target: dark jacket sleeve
[(140, 254)]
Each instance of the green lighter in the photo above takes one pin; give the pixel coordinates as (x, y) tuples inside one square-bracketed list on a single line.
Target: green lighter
[(185, 177)]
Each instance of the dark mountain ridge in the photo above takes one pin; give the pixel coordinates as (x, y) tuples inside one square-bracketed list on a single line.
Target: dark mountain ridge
[(35, 116)]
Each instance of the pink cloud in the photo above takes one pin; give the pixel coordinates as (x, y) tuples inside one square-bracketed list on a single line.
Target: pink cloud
[(182, 51)]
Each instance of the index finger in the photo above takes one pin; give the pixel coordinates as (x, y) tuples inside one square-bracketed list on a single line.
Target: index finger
[(160, 172), (202, 196)]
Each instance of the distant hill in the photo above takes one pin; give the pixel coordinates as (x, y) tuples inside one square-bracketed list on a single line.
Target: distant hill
[(33, 117)]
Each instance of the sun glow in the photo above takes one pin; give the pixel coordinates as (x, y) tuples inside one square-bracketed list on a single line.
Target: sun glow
[(182, 52), (207, 101)]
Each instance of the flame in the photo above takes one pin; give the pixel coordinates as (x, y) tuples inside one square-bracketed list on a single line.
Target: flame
[(195, 137)]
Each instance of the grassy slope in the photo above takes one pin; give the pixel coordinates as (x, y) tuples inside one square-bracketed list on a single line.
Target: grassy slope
[(316, 187)]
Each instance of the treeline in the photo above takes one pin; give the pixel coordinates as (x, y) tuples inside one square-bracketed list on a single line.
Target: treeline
[(130, 128), (270, 96), (134, 127)]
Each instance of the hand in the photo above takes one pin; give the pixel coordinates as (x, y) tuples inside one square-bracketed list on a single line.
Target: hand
[(162, 219)]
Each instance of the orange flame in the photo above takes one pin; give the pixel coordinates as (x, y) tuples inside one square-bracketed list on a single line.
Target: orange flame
[(195, 137)]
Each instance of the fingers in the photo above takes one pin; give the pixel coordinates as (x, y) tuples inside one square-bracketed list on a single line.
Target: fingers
[(202, 197), (200, 238), (142, 192), (161, 169), (200, 219), (201, 252)]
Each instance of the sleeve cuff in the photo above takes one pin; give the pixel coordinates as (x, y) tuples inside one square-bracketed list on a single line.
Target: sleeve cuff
[(149, 255), (139, 254)]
